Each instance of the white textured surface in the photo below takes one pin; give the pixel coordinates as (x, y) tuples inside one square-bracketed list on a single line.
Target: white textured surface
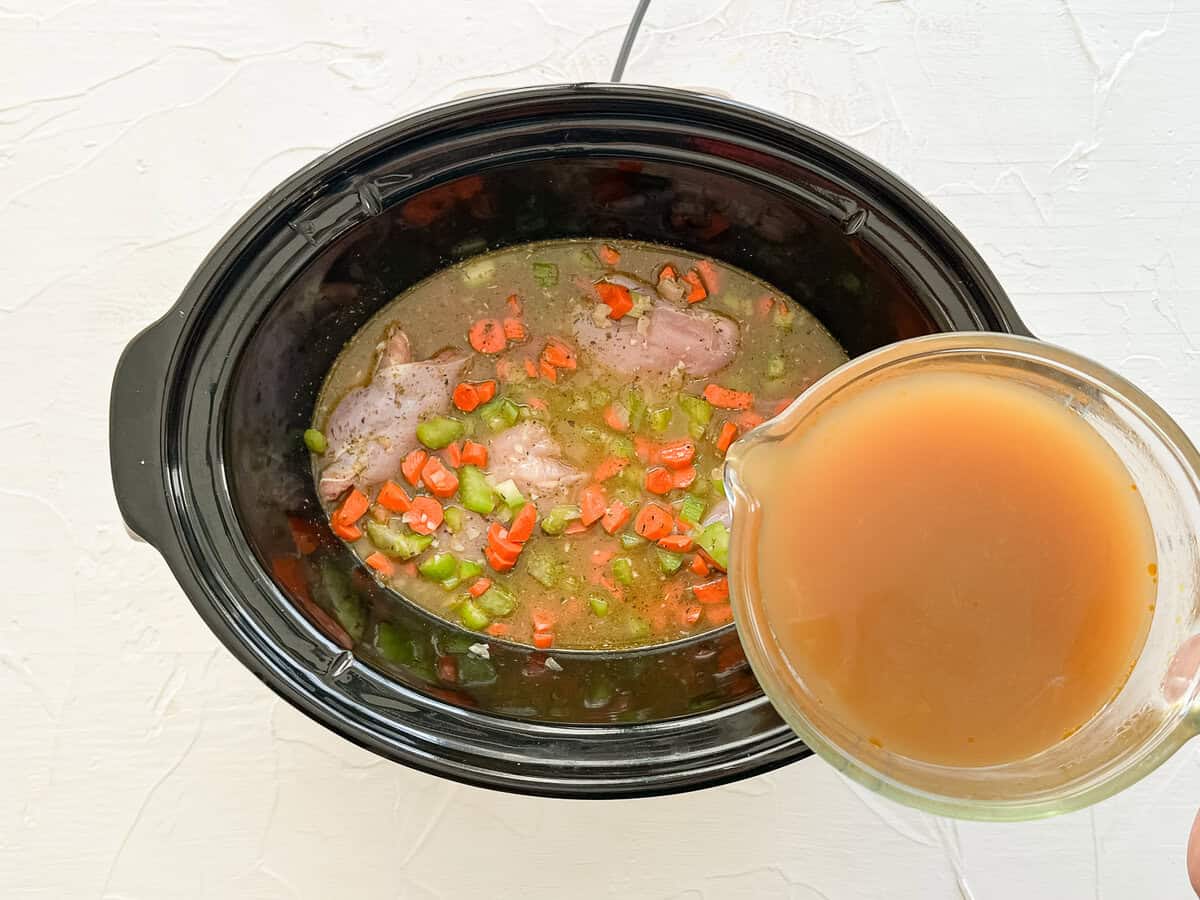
[(137, 760)]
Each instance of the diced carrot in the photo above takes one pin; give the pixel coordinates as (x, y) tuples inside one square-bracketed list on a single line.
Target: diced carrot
[(729, 433), (715, 591), (548, 371), (393, 497), (531, 368), (559, 354), (616, 417), (659, 480), (699, 566), (440, 481), (709, 275), (347, 532), (681, 478), (543, 620), (486, 390), (608, 255), (487, 336), (616, 517), (543, 640), (593, 504), (698, 292), (522, 526), (677, 454), (514, 304), (602, 557), (304, 535), (667, 271), (412, 465), (575, 527), (497, 629), (494, 560), (763, 306), (653, 522), (479, 587), (727, 398), (691, 615), (381, 564), (454, 455), (424, 516), (683, 526), (514, 329), (499, 543), (616, 297), (719, 613), (712, 563), (610, 467), (353, 508), (474, 454), (537, 403), (676, 543), (750, 419), (466, 397)]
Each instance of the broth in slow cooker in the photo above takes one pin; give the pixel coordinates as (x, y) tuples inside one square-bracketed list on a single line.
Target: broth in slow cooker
[(529, 443)]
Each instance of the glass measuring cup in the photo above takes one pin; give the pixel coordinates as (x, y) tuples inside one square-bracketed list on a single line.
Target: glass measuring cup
[(1158, 707)]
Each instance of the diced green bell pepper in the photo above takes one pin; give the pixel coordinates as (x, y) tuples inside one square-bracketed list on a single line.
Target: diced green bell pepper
[(472, 616), (555, 521), (439, 567), (623, 570), (397, 544), (497, 601), (314, 441), (474, 491)]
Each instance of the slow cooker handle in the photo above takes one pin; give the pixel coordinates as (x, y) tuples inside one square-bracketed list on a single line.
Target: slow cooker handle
[(135, 417)]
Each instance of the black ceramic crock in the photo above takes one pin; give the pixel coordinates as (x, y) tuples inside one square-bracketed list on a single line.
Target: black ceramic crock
[(208, 405)]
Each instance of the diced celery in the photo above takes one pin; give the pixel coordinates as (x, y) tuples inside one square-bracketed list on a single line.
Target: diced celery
[(637, 407), (453, 516), (599, 396), (718, 484), (499, 413), (621, 446), (510, 494), (469, 568), (545, 274), (637, 628), (497, 601), (714, 540), (630, 539), (504, 514), (784, 317), (698, 409), (692, 509), (623, 570), (474, 491), (314, 441), (599, 604), (439, 567), (776, 367), (696, 429), (669, 562), (592, 435), (397, 544), (555, 521), (439, 432), (700, 487), (472, 616), (543, 568), (660, 418)]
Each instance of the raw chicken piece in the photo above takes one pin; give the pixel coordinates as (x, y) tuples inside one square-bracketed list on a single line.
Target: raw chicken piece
[(666, 337), (373, 427), (532, 458)]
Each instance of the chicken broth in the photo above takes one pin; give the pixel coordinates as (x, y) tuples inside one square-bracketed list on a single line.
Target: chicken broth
[(529, 443)]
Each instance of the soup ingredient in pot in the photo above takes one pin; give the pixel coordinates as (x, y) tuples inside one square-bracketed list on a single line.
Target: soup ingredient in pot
[(375, 425), (957, 568), (529, 444)]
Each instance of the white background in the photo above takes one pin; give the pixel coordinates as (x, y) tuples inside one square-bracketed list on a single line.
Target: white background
[(138, 760)]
